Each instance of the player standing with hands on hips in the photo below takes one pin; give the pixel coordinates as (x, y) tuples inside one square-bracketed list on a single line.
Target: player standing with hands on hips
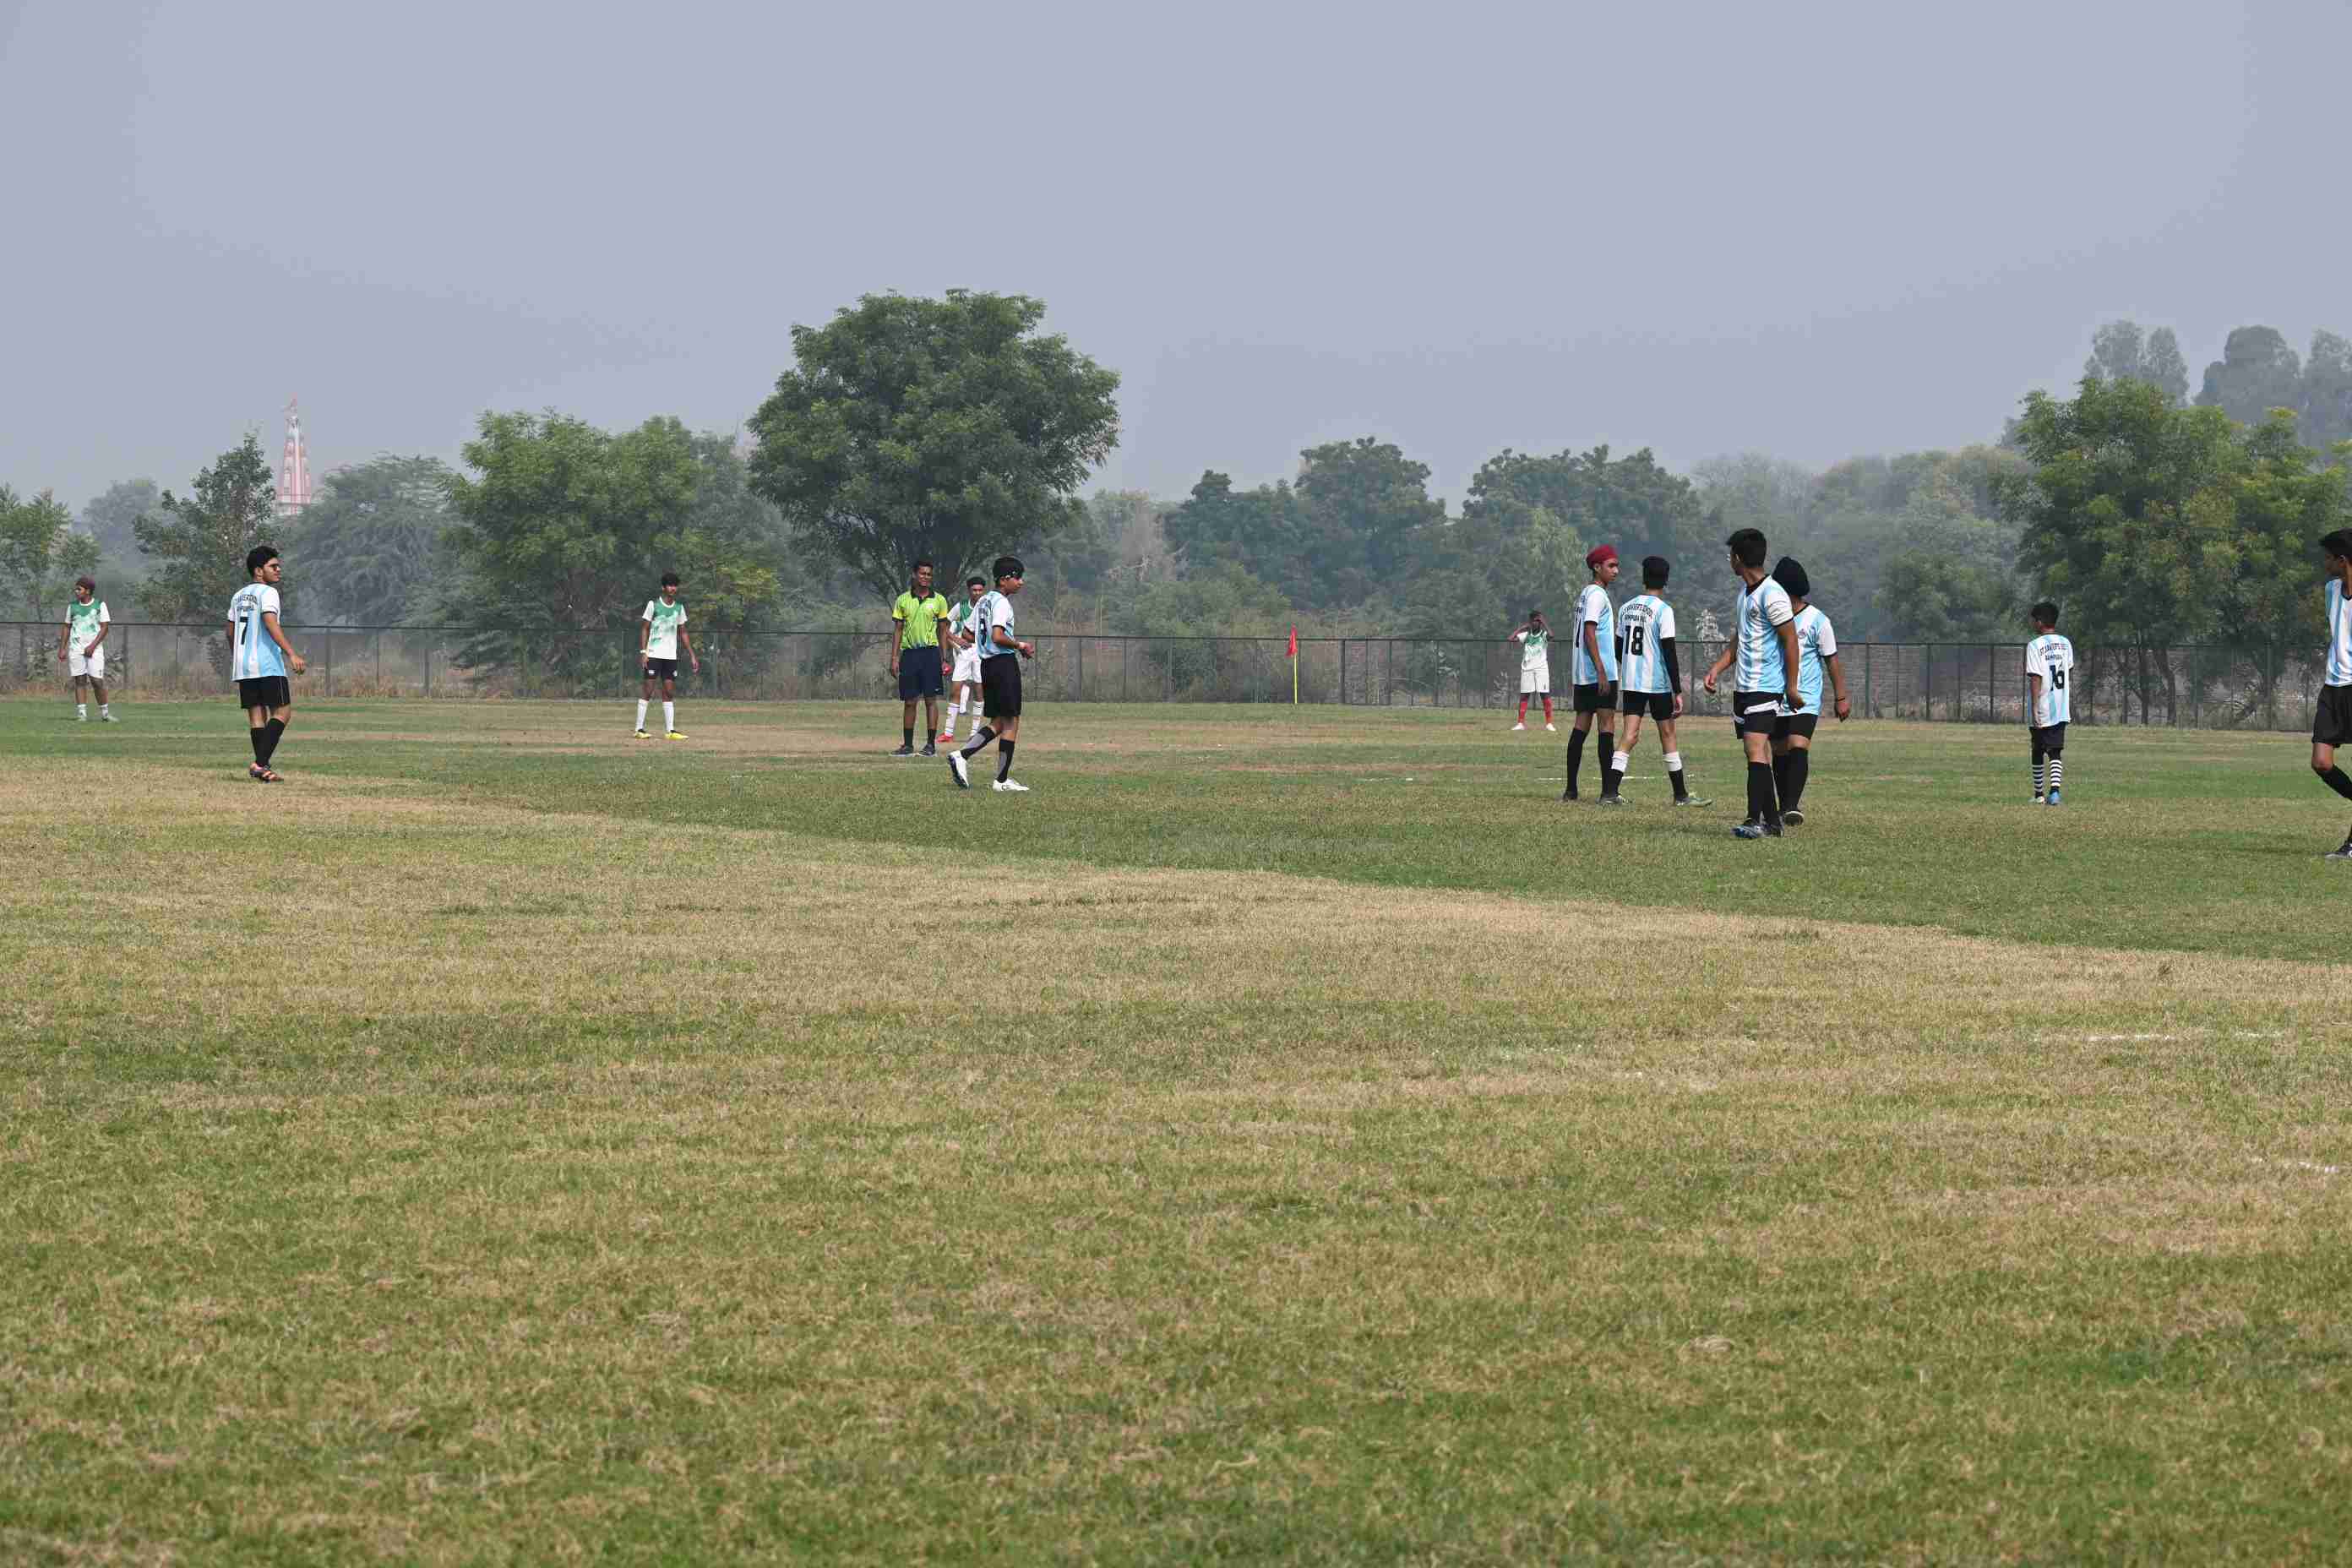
[(2332, 726), (81, 648), (1000, 680), (1764, 647)]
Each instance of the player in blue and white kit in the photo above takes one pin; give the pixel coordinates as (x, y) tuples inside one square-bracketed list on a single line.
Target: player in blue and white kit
[(1764, 648), (2049, 699), (1593, 666), (1817, 653), (2332, 726), (259, 658), (1651, 674)]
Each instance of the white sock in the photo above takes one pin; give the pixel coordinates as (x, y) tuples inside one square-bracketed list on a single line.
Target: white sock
[(104, 708), (669, 715), (81, 710), (641, 712), (1619, 760)]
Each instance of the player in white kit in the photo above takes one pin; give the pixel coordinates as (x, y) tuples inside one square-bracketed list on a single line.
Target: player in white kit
[(966, 643), (81, 648), (2331, 726), (1650, 680), (1534, 639), (2049, 701)]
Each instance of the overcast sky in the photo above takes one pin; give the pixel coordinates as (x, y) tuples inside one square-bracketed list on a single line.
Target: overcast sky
[(1815, 230)]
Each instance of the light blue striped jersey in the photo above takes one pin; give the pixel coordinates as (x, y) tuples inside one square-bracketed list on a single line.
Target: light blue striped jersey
[(1816, 642), (2339, 636), (1594, 609), (994, 610), (1760, 667), (2052, 657), (253, 652), (1648, 621)]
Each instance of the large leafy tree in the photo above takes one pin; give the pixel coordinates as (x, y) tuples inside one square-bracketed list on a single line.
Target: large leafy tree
[(1365, 514), (2126, 516), (943, 428), (197, 543), (41, 552), (111, 518), (1630, 502), (1261, 531), (370, 545), (563, 531), (2282, 498)]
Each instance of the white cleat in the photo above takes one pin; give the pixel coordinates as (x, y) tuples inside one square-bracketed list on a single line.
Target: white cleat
[(1516, 728), (1010, 786), (1551, 729)]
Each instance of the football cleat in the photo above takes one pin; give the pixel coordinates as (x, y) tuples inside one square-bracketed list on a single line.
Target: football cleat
[(1749, 830), (1010, 786), (958, 771), (1692, 800), (1519, 726), (643, 736), (2053, 798), (1793, 818), (107, 718), (675, 735), (1612, 800), (2344, 853), (930, 748), (905, 750), (1551, 729)]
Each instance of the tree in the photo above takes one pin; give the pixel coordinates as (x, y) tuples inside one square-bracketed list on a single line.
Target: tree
[(198, 545), (946, 429), (370, 546), (2326, 392), (110, 518), (2125, 515), (560, 533), (1365, 512), (41, 552), (2283, 498), (1261, 531), (2120, 351), (2257, 372), (1630, 502), (1223, 601)]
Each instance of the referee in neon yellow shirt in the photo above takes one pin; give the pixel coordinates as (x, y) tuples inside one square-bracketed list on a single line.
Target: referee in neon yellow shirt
[(918, 661)]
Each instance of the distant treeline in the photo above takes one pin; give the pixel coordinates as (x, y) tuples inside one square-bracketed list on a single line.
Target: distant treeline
[(2122, 500)]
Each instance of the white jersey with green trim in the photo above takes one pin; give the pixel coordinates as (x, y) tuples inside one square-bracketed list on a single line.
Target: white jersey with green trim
[(665, 619)]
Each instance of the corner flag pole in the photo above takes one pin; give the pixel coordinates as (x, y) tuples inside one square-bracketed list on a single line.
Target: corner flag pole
[(1294, 665)]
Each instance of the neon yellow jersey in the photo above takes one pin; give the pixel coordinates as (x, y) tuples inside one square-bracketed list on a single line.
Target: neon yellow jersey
[(919, 619)]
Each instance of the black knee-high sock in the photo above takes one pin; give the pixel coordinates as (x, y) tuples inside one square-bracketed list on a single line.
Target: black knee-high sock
[(260, 745), (2334, 779), (1575, 758), (1792, 783), (273, 732), (1763, 805), (1003, 760), (1607, 753), (980, 740), (2038, 758)]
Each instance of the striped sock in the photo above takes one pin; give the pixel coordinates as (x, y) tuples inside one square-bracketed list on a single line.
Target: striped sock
[(2057, 770), (2038, 772)]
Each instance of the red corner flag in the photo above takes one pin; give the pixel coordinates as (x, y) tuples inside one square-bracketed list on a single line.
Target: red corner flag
[(1294, 642)]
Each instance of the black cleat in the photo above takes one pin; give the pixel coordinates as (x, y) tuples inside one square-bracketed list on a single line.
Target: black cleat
[(1793, 818), (2342, 853), (907, 750), (1772, 826), (930, 748), (1612, 800)]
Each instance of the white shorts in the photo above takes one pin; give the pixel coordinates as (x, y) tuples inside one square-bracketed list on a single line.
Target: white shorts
[(1535, 680), (94, 666), (967, 667)]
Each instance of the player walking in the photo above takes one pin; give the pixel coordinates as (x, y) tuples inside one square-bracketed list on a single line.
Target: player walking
[(81, 648), (1792, 735), (1000, 680), (1764, 648), (259, 656), (2332, 726), (661, 632), (2049, 672), (965, 656), (916, 661), (1595, 671), (1651, 677), (1534, 639)]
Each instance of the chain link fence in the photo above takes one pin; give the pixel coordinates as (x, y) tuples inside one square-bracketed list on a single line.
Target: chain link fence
[(1961, 682)]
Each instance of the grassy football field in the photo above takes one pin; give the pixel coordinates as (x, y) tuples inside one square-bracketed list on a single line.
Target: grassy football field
[(1283, 1136)]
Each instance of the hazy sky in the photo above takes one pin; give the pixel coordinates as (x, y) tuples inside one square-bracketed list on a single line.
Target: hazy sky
[(1814, 230)]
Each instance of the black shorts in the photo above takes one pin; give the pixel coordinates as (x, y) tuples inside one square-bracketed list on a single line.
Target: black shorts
[(268, 691), (661, 669), (2331, 725), (1658, 705), (1587, 700), (1743, 704), (2050, 739), (919, 673), (999, 687), (1795, 724)]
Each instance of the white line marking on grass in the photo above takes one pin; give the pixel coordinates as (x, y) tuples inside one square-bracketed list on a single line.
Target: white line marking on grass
[(2311, 1165)]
